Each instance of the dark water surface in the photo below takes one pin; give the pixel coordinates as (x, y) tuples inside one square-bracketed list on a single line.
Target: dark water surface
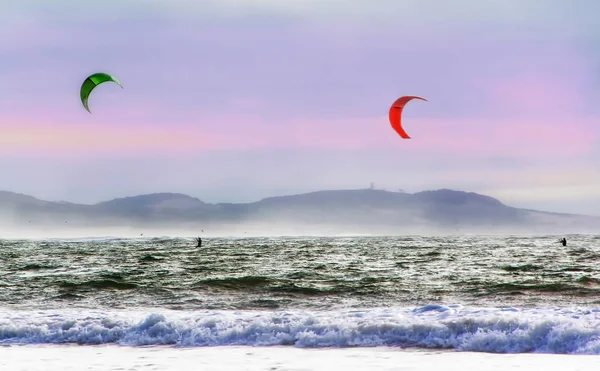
[(299, 273)]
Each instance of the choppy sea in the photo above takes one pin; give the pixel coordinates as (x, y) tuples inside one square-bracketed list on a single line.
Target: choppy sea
[(347, 303)]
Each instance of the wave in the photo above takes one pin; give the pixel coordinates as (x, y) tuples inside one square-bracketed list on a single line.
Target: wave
[(98, 285), (496, 330), (288, 286)]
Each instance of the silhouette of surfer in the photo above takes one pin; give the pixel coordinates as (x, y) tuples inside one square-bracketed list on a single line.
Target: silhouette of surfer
[(199, 241), (563, 241)]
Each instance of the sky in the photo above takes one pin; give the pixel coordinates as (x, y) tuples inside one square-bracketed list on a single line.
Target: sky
[(237, 100)]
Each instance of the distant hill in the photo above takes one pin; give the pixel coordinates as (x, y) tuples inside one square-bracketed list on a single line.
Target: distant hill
[(358, 211)]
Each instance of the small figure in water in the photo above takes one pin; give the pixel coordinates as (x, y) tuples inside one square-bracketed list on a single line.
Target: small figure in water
[(199, 241), (563, 241)]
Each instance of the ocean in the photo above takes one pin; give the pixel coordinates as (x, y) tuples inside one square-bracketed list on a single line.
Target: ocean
[(300, 303)]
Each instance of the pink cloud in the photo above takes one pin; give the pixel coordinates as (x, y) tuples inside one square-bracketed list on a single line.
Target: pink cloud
[(553, 87), (540, 116), (532, 94), (528, 137), (512, 137), (109, 138), (556, 136)]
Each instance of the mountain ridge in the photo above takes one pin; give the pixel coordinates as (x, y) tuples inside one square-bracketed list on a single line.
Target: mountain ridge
[(360, 209)]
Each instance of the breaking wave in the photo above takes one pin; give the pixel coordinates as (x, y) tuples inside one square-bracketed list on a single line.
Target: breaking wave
[(496, 330)]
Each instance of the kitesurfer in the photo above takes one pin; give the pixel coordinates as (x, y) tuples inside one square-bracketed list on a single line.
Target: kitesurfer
[(199, 241), (563, 241)]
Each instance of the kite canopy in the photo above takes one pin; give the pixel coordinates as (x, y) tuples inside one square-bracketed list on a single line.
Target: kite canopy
[(396, 113), (90, 84)]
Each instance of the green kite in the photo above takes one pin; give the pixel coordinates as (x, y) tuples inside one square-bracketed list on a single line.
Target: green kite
[(90, 84)]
